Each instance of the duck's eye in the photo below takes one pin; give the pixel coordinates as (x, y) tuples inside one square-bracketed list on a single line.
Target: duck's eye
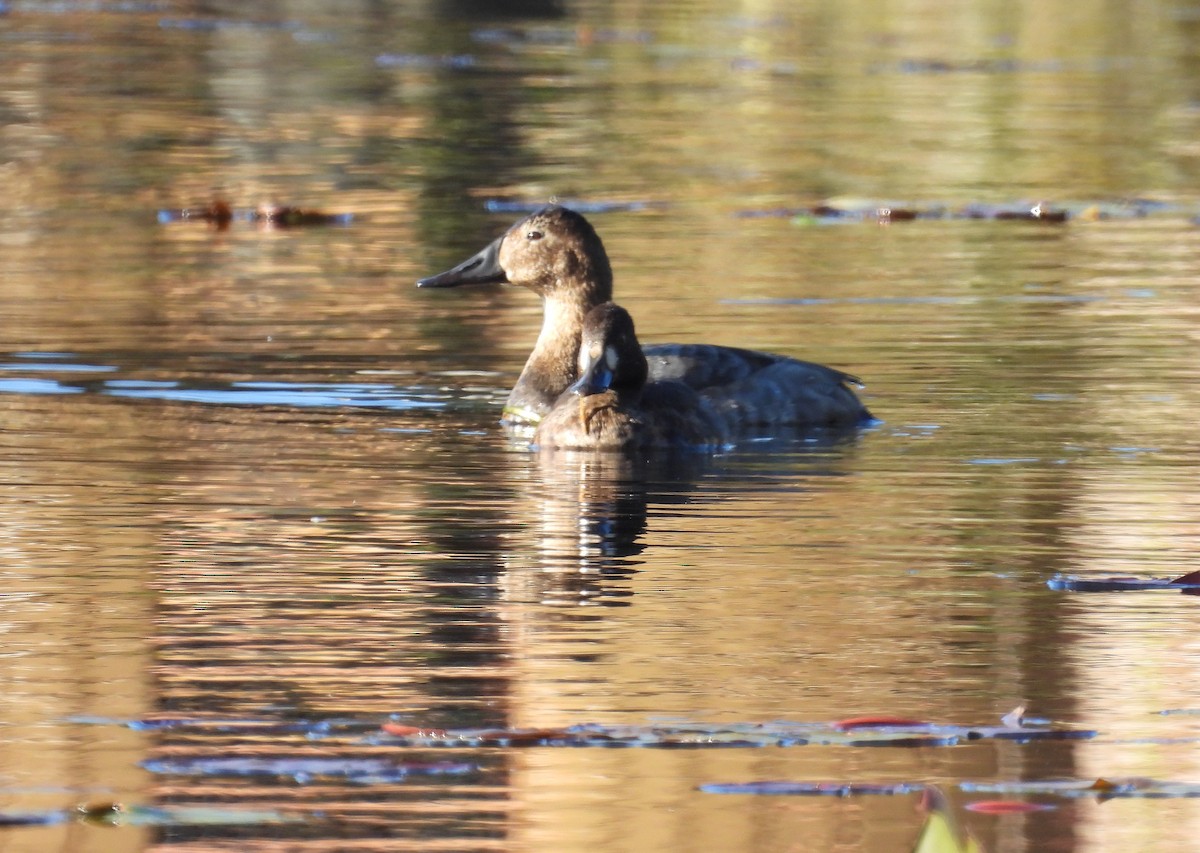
[(533, 235)]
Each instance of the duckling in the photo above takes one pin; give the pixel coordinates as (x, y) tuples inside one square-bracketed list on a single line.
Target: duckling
[(611, 406), (556, 253)]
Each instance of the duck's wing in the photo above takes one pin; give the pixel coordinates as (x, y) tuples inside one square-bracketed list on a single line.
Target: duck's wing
[(750, 389), (702, 366)]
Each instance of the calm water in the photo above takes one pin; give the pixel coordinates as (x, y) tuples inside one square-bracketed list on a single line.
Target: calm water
[(254, 502)]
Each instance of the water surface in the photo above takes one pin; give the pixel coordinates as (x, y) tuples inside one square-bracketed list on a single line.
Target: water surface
[(256, 504)]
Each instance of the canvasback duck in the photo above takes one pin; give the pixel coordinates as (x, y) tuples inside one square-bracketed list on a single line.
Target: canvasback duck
[(611, 406), (557, 254)]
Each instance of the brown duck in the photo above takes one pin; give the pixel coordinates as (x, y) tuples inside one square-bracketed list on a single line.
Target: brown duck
[(557, 254)]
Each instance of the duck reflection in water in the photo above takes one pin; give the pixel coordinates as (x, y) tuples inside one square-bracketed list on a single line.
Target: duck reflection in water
[(596, 479), (592, 512), (557, 254), (612, 407)]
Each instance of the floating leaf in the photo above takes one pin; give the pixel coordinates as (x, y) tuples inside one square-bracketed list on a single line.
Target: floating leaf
[(879, 722), (412, 731), (1014, 718), (1006, 807), (1190, 582)]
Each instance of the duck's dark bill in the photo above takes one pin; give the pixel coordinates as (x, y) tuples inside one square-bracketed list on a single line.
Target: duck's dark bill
[(481, 268)]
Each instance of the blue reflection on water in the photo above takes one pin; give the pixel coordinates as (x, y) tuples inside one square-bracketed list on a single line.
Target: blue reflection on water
[(36, 386), (246, 393), (275, 394)]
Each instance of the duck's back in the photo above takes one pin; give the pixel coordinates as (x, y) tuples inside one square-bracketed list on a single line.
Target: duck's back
[(703, 365), (753, 389)]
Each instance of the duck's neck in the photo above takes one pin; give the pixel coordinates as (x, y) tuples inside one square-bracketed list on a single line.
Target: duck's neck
[(552, 364)]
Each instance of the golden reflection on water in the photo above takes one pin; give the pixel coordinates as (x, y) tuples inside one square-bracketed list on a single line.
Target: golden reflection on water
[(248, 559)]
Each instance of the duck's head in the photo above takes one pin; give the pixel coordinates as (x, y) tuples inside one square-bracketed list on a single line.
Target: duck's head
[(610, 357), (554, 252)]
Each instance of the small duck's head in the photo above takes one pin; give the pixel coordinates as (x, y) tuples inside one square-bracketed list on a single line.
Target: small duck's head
[(554, 252), (610, 357)]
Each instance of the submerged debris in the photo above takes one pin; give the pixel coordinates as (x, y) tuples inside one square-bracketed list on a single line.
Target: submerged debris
[(1101, 789), (841, 211), (874, 730), (110, 813), (220, 213), (854, 731), (867, 210), (304, 769), (1188, 584), (814, 789), (290, 217)]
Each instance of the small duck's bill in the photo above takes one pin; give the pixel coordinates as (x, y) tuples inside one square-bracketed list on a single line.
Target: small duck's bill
[(481, 268), (597, 378)]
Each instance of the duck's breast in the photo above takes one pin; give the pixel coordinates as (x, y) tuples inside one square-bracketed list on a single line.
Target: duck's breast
[(595, 422)]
